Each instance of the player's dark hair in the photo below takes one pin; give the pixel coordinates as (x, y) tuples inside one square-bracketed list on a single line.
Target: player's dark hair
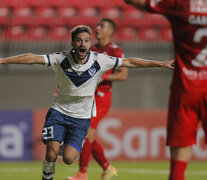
[(80, 29), (111, 22)]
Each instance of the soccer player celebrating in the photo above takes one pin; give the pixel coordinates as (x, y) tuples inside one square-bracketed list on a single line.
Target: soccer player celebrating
[(104, 32), (188, 99), (78, 73)]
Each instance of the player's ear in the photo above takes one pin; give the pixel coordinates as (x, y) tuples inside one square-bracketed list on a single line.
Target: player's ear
[(71, 43)]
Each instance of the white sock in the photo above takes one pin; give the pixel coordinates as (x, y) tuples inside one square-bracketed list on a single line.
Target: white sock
[(48, 169)]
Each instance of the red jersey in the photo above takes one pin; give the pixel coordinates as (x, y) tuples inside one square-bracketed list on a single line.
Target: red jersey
[(110, 49), (188, 19)]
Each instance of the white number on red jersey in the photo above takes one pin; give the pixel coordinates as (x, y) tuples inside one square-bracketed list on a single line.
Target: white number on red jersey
[(201, 59)]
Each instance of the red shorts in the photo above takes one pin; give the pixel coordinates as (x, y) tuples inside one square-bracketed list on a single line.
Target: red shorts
[(103, 104), (186, 109)]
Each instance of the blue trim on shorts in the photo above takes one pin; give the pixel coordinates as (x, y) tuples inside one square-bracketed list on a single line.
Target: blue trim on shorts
[(74, 147)]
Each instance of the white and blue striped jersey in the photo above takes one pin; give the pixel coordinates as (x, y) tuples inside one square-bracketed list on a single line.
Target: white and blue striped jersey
[(77, 82)]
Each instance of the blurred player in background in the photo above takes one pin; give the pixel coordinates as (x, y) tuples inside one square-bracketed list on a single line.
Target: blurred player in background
[(188, 99), (104, 32), (78, 72)]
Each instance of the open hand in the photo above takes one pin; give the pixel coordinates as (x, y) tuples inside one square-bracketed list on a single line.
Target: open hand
[(169, 64)]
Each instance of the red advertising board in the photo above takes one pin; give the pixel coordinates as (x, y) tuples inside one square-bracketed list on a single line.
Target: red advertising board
[(134, 134), (128, 134)]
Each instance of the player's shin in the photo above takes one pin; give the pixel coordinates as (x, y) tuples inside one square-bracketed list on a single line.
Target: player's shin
[(98, 154), (85, 156), (48, 170)]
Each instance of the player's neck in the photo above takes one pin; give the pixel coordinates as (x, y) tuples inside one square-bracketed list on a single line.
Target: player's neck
[(104, 42), (80, 61)]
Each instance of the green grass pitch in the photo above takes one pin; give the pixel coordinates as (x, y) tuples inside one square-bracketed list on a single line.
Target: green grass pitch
[(127, 170)]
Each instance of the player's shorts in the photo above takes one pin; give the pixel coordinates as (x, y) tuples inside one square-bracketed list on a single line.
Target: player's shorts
[(62, 128), (186, 109), (103, 104)]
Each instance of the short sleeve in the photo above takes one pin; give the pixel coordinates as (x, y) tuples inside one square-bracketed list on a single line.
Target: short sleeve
[(109, 62), (52, 59)]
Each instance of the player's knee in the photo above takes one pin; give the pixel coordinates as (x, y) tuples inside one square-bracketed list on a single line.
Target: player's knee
[(51, 155), (91, 135), (51, 158), (68, 160), (90, 139)]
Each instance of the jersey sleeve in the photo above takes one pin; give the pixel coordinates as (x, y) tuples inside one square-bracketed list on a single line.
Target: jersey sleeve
[(161, 6), (52, 59), (109, 62)]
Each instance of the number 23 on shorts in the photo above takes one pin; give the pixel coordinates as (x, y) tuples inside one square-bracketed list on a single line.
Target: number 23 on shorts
[(47, 133)]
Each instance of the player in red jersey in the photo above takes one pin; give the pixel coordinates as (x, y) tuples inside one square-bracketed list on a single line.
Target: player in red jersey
[(188, 99), (104, 32)]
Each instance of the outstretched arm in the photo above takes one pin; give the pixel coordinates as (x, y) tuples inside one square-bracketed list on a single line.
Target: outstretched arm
[(143, 63), (23, 59), (139, 4)]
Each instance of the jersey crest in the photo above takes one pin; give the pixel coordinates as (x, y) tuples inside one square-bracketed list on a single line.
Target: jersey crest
[(92, 71)]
